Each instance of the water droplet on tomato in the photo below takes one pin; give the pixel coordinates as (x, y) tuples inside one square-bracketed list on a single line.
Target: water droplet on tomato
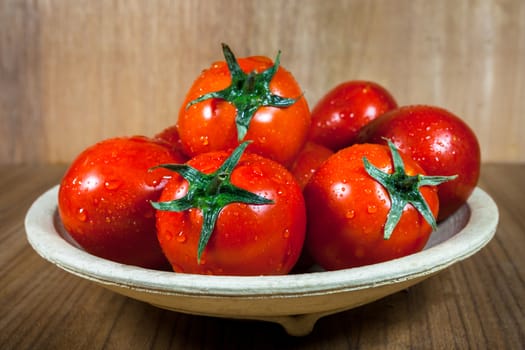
[(280, 179), (257, 170), (286, 233), (372, 208), (181, 237), (204, 140), (112, 184), (82, 214), (350, 214)]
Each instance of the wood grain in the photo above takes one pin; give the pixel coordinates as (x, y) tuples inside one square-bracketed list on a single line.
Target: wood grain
[(75, 72), (478, 303)]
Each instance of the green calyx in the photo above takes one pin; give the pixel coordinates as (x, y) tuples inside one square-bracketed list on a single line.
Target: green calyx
[(210, 193), (247, 92), (403, 189)]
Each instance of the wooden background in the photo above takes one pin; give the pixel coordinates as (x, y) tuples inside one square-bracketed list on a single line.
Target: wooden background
[(75, 72)]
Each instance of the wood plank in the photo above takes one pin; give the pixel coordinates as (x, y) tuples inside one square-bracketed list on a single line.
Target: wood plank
[(21, 119)]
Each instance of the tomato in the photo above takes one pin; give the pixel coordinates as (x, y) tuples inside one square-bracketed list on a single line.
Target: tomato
[(226, 216), (308, 160), (250, 98), (360, 211), (344, 110), (104, 199), (304, 166), (440, 142), (171, 136)]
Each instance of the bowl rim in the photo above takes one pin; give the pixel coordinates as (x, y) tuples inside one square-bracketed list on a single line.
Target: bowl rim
[(43, 236)]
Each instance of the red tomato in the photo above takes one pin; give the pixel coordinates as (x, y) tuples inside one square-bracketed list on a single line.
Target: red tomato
[(104, 199), (171, 136), (278, 131), (440, 142), (351, 215), (307, 162), (245, 239), (344, 110), (305, 165)]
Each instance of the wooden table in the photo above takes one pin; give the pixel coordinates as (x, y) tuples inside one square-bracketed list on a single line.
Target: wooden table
[(478, 303)]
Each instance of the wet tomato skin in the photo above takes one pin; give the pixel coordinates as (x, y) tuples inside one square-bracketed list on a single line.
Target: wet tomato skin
[(277, 133), (104, 199), (347, 210), (439, 141), (344, 110), (171, 136), (247, 239), (309, 159)]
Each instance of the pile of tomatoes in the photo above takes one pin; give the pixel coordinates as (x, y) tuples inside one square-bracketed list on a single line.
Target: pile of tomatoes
[(251, 182)]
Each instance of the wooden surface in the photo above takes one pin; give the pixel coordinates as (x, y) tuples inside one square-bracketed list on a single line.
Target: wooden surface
[(75, 72), (476, 304)]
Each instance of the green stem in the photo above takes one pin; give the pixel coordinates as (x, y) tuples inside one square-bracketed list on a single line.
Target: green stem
[(403, 189), (210, 193), (247, 92)]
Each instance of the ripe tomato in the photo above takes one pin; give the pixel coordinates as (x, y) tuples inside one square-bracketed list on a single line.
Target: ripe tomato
[(362, 211), (251, 98), (307, 162), (104, 199), (171, 136), (439, 141), (207, 225), (344, 110)]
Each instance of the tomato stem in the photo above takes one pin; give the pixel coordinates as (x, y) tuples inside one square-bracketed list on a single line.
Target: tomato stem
[(210, 193), (247, 92), (403, 189)]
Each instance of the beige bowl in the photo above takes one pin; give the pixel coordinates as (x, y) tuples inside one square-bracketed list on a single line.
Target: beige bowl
[(295, 301)]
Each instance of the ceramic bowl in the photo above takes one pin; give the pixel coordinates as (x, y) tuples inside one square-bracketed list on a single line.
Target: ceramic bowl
[(295, 301)]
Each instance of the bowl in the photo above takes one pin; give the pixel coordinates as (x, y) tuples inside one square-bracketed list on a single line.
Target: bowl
[(296, 301)]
